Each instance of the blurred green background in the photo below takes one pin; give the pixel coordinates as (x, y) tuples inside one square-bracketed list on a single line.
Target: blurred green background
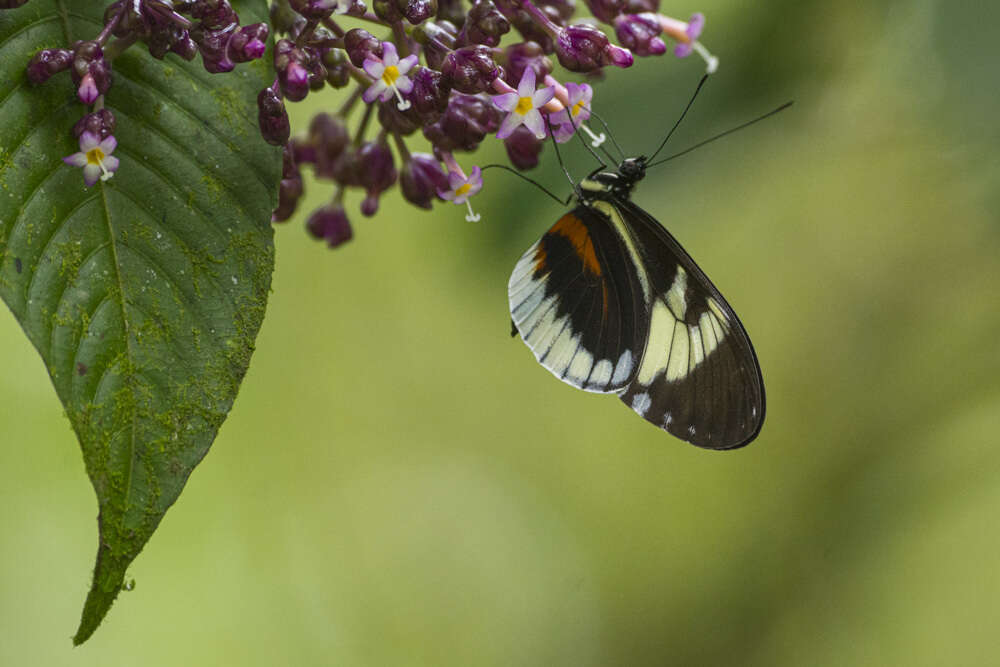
[(400, 483)]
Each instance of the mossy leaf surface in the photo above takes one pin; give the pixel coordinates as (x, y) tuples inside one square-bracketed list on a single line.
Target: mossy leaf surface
[(143, 294)]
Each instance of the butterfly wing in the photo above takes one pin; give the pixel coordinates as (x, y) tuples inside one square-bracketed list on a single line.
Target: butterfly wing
[(579, 302), (698, 376)]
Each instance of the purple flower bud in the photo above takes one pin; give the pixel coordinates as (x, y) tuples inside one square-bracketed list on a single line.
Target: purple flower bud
[(417, 11), (528, 27), (605, 10), (249, 43), (421, 178), (523, 148), (582, 48), (214, 15), (345, 168), (338, 71), (47, 62), (520, 57), (361, 44), (303, 151), (328, 138), (403, 123), (313, 9), (376, 173), (356, 7), (90, 71), (100, 123), (640, 6), (471, 69), (464, 124), (640, 33), (452, 11), (429, 96), (562, 10), (299, 69), (272, 117), (484, 25), (437, 38), (329, 223), (290, 189)]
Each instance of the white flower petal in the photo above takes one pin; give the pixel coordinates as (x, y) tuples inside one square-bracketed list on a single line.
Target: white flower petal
[(533, 121), (91, 174), (76, 159), (526, 87), (507, 101)]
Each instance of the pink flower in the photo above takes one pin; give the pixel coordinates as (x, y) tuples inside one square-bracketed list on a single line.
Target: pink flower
[(687, 35), (390, 77), (95, 158), (462, 187), (523, 106)]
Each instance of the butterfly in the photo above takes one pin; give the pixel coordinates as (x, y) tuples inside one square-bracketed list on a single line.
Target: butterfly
[(609, 302)]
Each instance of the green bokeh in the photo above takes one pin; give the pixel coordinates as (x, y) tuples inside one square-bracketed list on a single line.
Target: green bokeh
[(401, 484)]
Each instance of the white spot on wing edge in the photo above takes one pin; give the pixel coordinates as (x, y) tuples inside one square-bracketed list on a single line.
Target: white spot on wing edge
[(580, 367), (561, 352), (641, 403), (601, 375), (623, 369)]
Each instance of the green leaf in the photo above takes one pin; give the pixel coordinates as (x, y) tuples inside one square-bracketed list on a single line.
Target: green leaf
[(143, 294)]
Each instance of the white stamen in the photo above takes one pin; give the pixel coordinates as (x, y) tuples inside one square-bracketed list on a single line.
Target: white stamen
[(595, 139), (402, 104), (711, 62), (472, 215)]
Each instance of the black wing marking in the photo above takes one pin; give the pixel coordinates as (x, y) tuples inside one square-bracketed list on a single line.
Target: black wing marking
[(698, 378), (578, 302)]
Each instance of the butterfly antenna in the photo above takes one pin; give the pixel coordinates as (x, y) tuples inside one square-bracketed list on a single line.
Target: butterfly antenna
[(589, 148), (555, 145), (524, 178), (610, 135), (722, 134), (697, 90)]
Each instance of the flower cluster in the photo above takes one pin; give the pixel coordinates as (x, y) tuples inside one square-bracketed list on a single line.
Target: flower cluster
[(207, 27), (454, 74), (451, 72)]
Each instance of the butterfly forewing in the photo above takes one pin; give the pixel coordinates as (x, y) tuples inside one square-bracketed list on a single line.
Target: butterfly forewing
[(578, 301)]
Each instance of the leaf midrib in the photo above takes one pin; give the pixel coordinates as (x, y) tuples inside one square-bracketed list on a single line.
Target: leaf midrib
[(129, 353)]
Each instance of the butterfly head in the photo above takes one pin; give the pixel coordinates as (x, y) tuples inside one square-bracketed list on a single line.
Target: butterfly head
[(618, 183), (632, 170)]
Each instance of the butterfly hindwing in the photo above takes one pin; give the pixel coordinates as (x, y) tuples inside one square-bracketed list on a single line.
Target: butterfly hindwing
[(698, 377), (578, 301)]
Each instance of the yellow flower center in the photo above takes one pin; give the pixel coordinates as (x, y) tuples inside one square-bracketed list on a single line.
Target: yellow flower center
[(463, 189), (95, 156), (524, 105), (577, 108), (390, 75)]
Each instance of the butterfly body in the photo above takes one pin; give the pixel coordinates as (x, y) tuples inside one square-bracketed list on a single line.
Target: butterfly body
[(609, 302)]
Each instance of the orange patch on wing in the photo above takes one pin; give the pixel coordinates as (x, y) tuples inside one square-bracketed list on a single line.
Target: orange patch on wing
[(540, 259), (575, 231)]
